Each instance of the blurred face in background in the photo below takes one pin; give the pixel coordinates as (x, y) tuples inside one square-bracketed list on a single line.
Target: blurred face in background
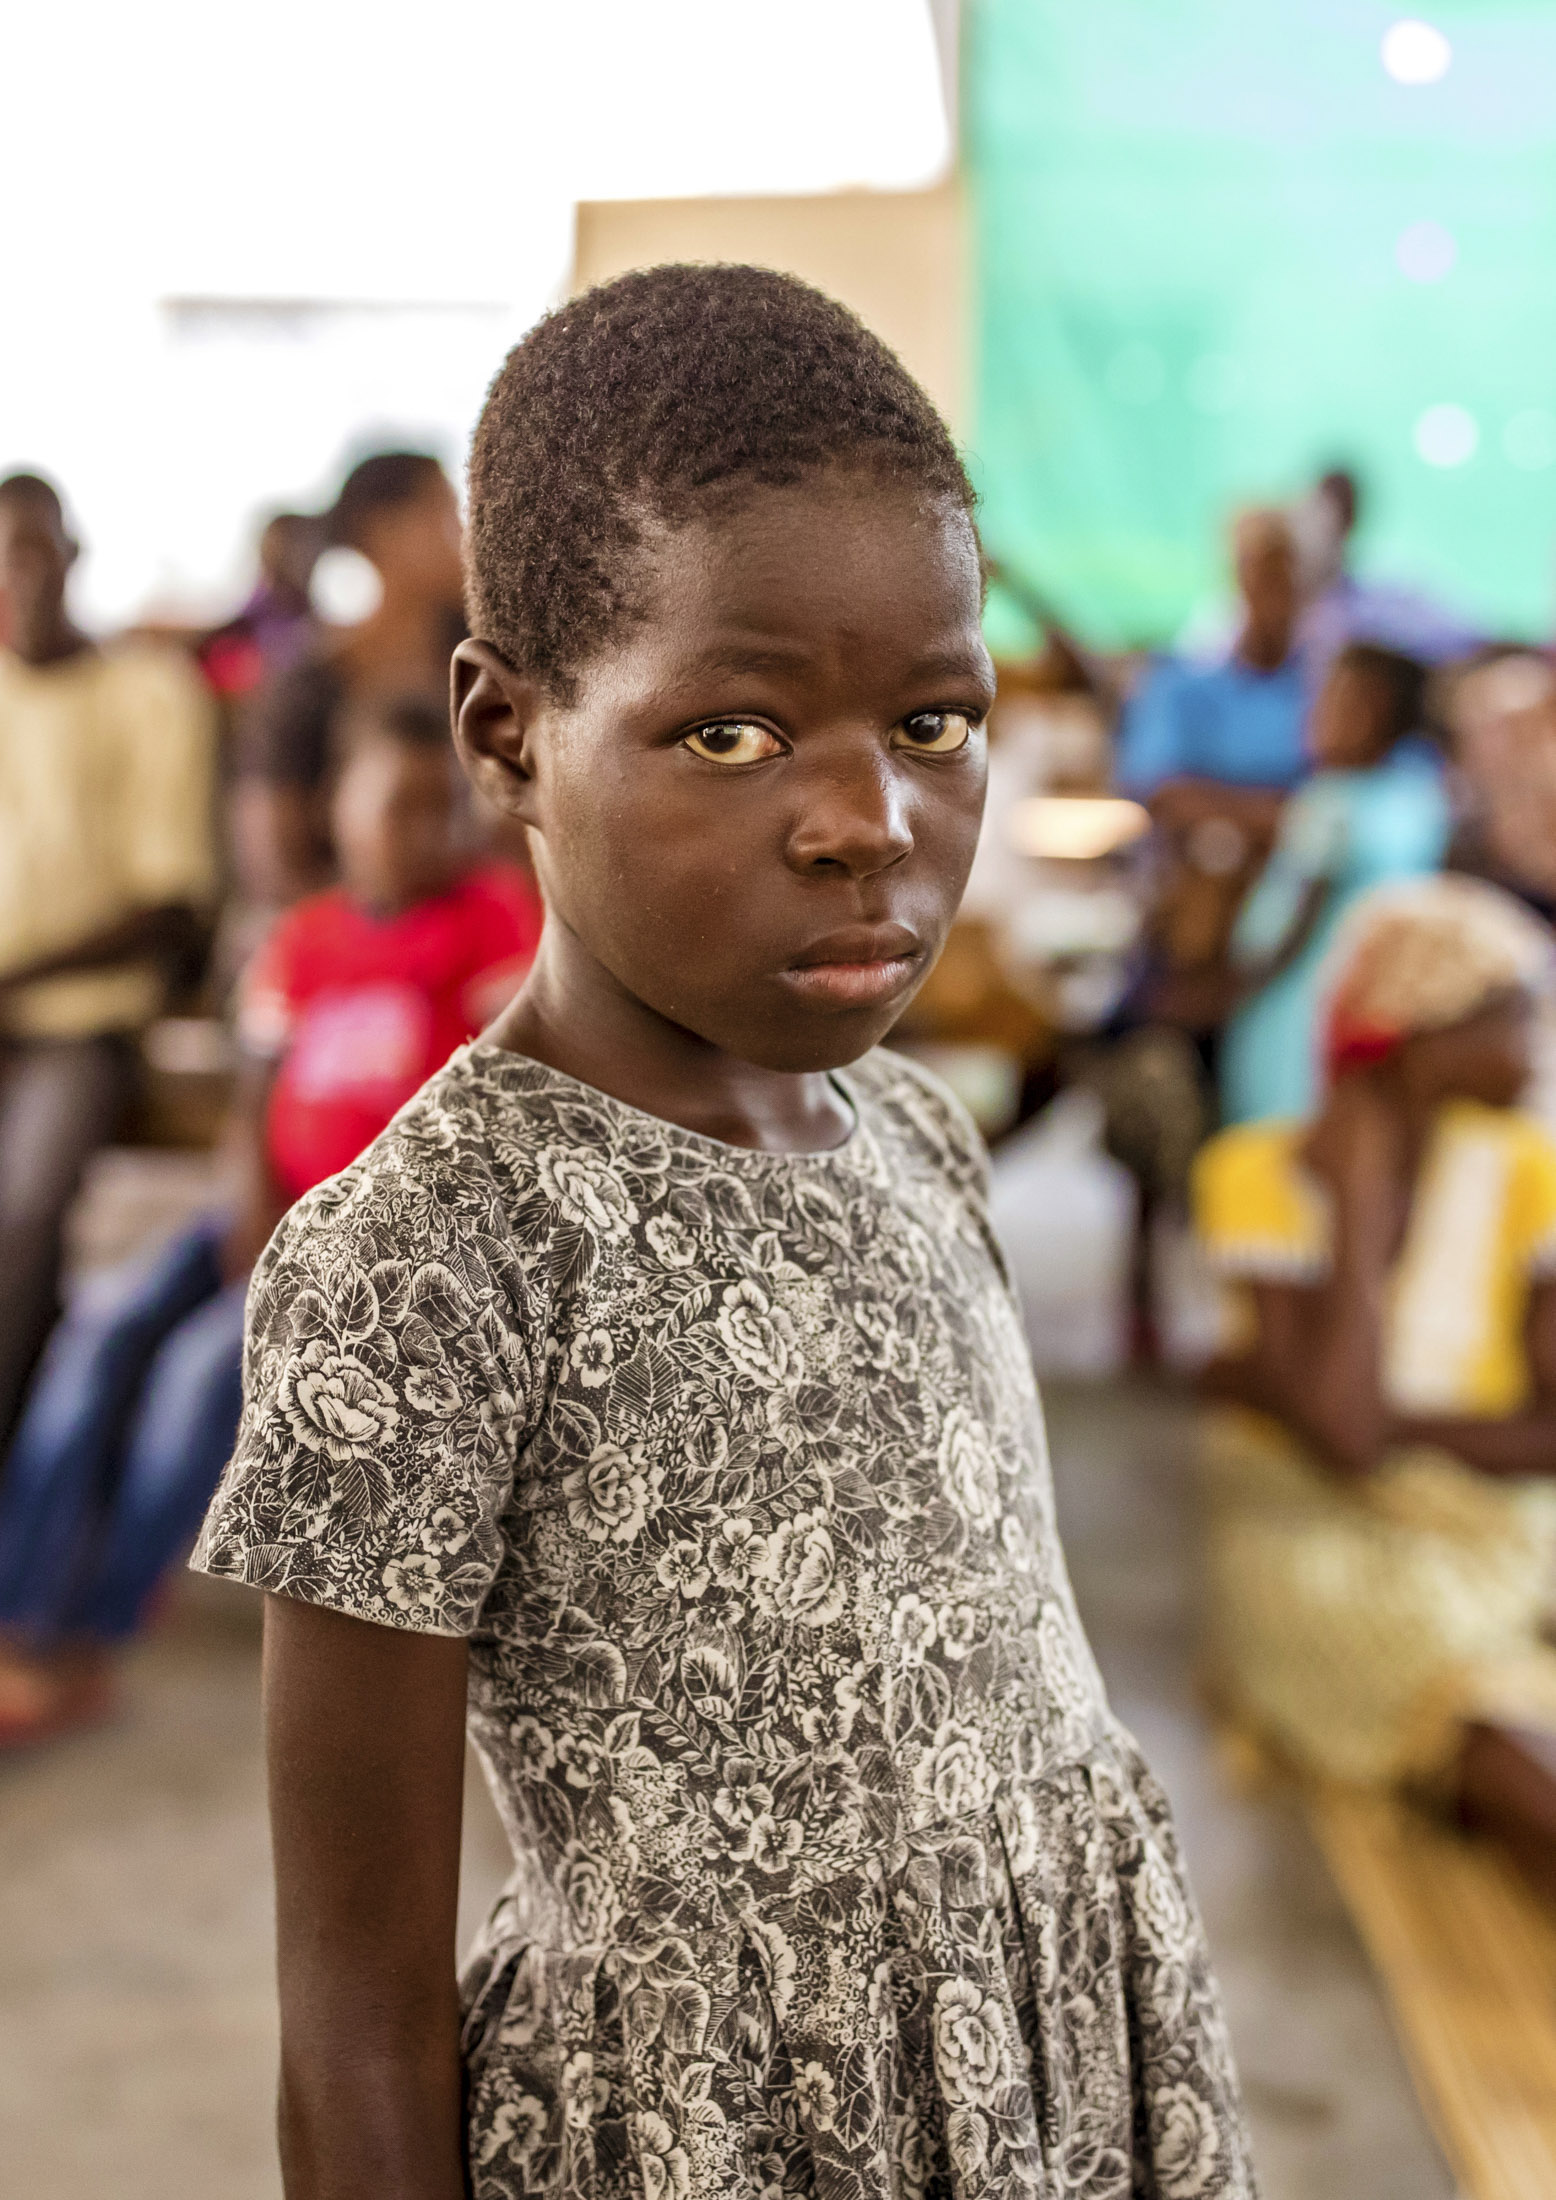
[(1353, 720), (35, 560), (400, 820), (288, 552), (1265, 556), (416, 543)]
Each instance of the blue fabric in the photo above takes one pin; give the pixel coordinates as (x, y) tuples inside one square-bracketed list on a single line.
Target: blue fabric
[(1349, 832), (123, 1438), (1223, 721)]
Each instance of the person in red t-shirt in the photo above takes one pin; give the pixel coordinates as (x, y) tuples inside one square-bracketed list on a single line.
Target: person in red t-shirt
[(357, 997), (362, 992)]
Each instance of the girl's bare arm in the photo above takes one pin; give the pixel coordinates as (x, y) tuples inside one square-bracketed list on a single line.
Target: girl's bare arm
[(365, 1742)]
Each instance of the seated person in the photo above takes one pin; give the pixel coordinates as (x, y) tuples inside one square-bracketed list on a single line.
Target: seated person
[(1382, 1521), (1192, 732), (359, 995), (1375, 810), (107, 861), (1212, 749)]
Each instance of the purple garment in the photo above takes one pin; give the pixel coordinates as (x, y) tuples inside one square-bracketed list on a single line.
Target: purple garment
[(1378, 611)]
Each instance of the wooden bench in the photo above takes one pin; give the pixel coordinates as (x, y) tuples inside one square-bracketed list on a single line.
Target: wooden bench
[(1467, 1954)]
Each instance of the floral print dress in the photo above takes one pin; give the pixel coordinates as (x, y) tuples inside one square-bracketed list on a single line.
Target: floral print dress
[(833, 1872)]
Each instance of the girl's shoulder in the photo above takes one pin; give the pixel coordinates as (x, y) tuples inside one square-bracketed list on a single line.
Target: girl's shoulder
[(911, 1108), (430, 1178)]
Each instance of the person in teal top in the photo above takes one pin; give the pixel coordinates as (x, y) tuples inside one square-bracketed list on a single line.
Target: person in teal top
[(1375, 809)]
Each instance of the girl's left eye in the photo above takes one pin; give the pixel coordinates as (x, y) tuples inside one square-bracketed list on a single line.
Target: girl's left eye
[(736, 741), (935, 732)]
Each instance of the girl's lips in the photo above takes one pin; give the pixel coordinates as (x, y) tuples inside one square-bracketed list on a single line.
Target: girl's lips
[(851, 984)]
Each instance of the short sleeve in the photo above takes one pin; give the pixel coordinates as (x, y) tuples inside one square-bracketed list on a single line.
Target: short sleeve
[(1256, 1218), (1534, 1201), (387, 1367), (167, 836)]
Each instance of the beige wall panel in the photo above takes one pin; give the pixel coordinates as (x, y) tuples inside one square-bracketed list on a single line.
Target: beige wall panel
[(897, 257)]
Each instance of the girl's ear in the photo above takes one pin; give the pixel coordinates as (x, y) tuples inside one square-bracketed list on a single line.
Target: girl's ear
[(494, 710)]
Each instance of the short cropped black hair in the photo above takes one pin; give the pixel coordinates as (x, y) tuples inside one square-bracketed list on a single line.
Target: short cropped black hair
[(385, 479), (634, 401), (1403, 678)]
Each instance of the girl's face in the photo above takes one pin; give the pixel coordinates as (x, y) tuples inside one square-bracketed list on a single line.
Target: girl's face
[(758, 815)]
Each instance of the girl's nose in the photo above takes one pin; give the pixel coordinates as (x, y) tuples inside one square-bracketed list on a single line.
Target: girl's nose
[(854, 819)]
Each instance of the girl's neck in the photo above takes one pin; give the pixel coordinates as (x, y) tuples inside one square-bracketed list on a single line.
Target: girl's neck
[(575, 1017)]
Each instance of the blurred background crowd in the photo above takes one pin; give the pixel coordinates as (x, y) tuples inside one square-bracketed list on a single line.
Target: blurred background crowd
[(1241, 323)]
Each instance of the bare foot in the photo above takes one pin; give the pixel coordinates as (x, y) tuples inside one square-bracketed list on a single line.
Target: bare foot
[(1507, 1787)]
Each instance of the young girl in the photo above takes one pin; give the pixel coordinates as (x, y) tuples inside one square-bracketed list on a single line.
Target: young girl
[(653, 1381)]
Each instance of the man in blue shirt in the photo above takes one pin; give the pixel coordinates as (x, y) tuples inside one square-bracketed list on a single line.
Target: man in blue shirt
[(1237, 723)]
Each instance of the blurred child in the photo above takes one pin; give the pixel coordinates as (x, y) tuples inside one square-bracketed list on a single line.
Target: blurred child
[(357, 996), (1383, 1518), (655, 1385), (1375, 809)]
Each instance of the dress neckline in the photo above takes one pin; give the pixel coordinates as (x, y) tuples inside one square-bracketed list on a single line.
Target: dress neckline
[(488, 1051)]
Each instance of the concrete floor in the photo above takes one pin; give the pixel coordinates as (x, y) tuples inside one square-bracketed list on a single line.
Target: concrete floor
[(1333, 2113), (137, 2036)]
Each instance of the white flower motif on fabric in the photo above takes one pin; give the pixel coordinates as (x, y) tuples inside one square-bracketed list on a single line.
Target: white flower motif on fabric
[(335, 1404), (1185, 2141), (609, 1496), (953, 1776), (969, 1469), (664, 2167), (587, 1191), (816, 2095), (414, 1583), (759, 1335), (972, 2043), (796, 1577), (593, 1355), (913, 1628)]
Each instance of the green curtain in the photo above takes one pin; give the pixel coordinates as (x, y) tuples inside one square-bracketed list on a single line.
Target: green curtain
[(1188, 222)]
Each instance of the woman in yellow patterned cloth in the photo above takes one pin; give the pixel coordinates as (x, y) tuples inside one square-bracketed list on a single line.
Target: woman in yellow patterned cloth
[(1382, 1525)]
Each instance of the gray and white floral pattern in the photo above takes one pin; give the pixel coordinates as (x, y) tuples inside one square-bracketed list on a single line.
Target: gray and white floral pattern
[(834, 1873)]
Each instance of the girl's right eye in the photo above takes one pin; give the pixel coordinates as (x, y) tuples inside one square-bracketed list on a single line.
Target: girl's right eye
[(733, 741)]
